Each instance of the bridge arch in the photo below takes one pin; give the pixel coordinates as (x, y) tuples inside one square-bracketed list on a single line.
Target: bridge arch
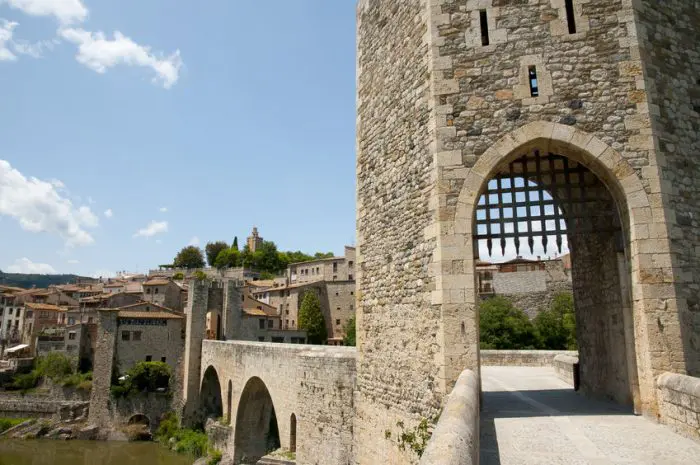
[(139, 419), (256, 430), (629, 289), (210, 394)]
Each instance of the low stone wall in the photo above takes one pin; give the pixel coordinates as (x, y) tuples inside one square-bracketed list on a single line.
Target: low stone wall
[(564, 366), (455, 440), (31, 407), (679, 403), (523, 358)]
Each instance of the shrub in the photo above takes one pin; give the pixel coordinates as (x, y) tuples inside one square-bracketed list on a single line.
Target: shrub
[(25, 381), (143, 377), (194, 443), (214, 457), (179, 276), (350, 333), (556, 327), (167, 428), (55, 366)]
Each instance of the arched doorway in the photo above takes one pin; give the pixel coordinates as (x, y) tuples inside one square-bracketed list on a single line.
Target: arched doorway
[(542, 198), (210, 395), (256, 431), (139, 419), (293, 433)]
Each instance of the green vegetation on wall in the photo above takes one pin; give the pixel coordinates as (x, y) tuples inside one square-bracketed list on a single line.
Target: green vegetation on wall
[(143, 377), (350, 331)]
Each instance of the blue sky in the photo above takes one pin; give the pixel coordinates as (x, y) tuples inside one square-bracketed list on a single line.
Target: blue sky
[(129, 129)]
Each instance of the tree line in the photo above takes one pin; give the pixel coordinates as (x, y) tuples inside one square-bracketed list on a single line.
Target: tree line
[(502, 326), (219, 254)]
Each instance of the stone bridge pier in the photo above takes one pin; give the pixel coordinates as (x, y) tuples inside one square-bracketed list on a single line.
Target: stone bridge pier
[(296, 397)]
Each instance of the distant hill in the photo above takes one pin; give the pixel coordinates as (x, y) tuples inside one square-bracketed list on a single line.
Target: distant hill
[(38, 280)]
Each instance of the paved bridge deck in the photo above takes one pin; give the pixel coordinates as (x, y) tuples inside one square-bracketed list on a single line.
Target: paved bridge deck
[(531, 417)]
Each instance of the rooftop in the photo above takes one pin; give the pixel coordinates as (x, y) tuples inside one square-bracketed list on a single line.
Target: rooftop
[(45, 307), (149, 315)]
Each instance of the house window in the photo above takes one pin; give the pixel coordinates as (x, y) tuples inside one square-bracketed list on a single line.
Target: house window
[(156, 291), (484, 27), (261, 338), (286, 312), (569, 4), (10, 312), (148, 358), (270, 324), (286, 323), (337, 322), (29, 314), (148, 290), (335, 267), (162, 359), (532, 75), (137, 335), (350, 263), (352, 292), (292, 323), (71, 336), (261, 323), (126, 336)]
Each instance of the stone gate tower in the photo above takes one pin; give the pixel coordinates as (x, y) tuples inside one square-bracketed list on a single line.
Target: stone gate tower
[(597, 101)]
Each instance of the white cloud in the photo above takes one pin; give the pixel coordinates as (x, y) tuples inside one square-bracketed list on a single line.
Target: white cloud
[(164, 209), (36, 49), (109, 213), (73, 262), (66, 11), (153, 228), (6, 31), (194, 241), (104, 274), (25, 265), (39, 207), (99, 54)]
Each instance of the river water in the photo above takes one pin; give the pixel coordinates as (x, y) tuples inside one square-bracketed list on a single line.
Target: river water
[(53, 452)]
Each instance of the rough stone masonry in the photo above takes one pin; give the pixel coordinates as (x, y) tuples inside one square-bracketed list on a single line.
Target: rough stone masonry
[(441, 111)]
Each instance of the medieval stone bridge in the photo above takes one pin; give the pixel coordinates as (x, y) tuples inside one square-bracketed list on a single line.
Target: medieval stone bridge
[(298, 397)]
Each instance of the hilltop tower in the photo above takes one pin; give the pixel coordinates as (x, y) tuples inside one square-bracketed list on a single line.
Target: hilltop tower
[(254, 240), (471, 113)]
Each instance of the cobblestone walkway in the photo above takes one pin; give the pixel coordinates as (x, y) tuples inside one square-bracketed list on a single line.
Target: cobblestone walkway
[(530, 417)]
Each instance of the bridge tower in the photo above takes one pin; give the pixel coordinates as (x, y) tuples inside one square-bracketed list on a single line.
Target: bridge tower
[(594, 101)]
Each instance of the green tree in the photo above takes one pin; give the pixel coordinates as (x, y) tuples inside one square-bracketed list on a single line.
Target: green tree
[(319, 255), (504, 327), (235, 243), (227, 258), (556, 326), (179, 276), (350, 331), (212, 249), (189, 257), (311, 319)]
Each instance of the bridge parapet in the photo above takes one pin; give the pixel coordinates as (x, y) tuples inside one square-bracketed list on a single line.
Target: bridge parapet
[(679, 403), (455, 440), (522, 358)]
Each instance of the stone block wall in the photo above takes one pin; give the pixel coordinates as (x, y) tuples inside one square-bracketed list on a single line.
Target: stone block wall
[(400, 367), (102, 368), (522, 358), (679, 403), (564, 366)]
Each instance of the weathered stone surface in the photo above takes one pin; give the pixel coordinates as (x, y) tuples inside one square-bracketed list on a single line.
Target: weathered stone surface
[(679, 403)]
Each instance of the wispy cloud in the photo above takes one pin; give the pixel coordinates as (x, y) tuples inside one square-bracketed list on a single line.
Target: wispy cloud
[(99, 53), (6, 31), (39, 207), (164, 209), (73, 262), (109, 213), (25, 265), (153, 228)]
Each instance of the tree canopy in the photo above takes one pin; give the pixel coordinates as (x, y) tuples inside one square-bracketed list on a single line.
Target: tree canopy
[(228, 258), (189, 257), (212, 249), (503, 327), (556, 326), (311, 319)]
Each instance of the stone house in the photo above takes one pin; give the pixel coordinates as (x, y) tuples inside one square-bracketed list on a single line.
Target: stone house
[(325, 269), (11, 308), (147, 332), (110, 300), (163, 291), (40, 317)]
